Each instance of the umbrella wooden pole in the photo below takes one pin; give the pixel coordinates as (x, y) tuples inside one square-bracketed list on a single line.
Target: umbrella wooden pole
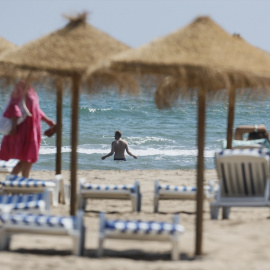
[(59, 102), (74, 143), (231, 109), (200, 171)]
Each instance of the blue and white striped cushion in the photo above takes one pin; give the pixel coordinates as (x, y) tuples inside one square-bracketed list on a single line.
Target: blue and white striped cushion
[(183, 189), (142, 227), (38, 220), (129, 188), (22, 202), (8, 164), (246, 151), (17, 181), (177, 188)]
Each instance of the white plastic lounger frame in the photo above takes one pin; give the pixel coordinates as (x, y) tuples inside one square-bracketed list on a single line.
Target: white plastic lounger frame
[(243, 180), (33, 203), (18, 184), (141, 230), (170, 192), (44, 225), (124, 192), (7, 166)]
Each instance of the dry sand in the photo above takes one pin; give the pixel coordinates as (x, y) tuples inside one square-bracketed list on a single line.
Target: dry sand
[(242, 242)]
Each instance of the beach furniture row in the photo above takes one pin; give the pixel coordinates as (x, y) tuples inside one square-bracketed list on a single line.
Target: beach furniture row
[(16, 184), (243, 182), (22, 213), (73, 227)]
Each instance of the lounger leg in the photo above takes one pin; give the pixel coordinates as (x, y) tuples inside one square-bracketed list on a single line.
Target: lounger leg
[(225, 212), (2, 239), (156, 192), (175, 238), (101, 235), (8, 242), (100, 246), (47, 198), (67, 194), (134, 202), (62, 193), (175, 251), (82, 241), (5, 240), (78, 242), (83, 203), (155, 204), (80, 234), (56, 190), (214, 211), (76, 245), (54, 195), (137, 197), (139, 202)]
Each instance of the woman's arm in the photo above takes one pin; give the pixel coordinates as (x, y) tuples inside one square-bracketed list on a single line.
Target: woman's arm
[(241, 130), (48, 120)]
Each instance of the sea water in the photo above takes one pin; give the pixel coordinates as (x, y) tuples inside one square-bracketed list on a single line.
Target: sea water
[(161, 139)]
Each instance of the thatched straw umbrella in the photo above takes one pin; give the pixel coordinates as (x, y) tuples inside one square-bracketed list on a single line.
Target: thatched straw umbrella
[(66, 53), (6, 45), (201, 59)]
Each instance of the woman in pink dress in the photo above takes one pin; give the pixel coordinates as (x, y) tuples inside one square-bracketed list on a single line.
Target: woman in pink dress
[(23, 142)]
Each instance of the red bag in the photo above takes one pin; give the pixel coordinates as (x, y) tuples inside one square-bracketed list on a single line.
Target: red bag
[(49, 132)]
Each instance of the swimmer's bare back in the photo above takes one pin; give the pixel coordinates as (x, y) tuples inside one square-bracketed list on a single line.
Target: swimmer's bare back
[(119, 147)]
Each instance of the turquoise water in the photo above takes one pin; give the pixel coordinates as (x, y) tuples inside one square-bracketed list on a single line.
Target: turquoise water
[(162, 139)]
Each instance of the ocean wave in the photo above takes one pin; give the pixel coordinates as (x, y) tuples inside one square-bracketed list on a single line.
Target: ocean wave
[(94, 110), (45, 150), (143, 140)]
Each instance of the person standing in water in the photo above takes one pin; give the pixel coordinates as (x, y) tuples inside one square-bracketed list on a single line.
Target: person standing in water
[(119, 147)]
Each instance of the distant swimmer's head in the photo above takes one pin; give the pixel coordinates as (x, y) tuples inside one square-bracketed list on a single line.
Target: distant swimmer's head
[(117, 134)]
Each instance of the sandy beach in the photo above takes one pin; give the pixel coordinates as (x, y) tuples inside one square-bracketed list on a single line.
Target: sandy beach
[(242, 242)]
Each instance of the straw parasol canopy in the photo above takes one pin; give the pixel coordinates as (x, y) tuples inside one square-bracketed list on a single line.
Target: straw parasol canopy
[(199, 59), (6, 45), (65, 53), (201, 48)]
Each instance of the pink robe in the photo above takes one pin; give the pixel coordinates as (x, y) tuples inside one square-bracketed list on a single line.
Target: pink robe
[(25, 144)]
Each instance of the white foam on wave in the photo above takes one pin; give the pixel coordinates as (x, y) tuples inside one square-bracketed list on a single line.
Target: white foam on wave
[(93, 110), (45, 150), (142, 140)]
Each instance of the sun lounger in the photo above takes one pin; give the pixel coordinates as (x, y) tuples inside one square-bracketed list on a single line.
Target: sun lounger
[(124, 192), (243, 180), (171, 192), (7, 166), (33, 203), (16, 184), (73, 227), (239, 144), (142, 231)]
